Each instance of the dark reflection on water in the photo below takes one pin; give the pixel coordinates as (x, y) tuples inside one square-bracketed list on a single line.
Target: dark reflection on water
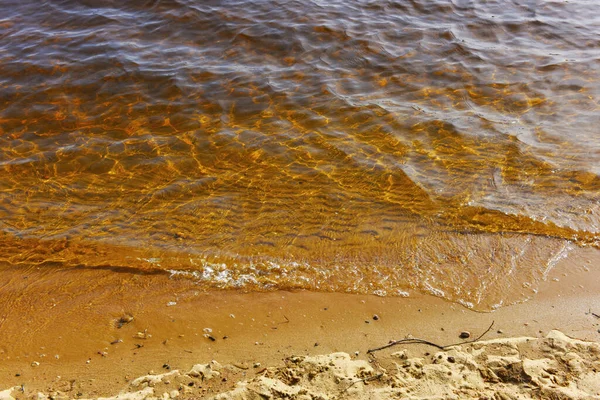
[(363, 146)]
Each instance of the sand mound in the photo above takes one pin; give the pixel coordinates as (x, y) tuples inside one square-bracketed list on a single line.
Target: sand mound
[(554, 367)]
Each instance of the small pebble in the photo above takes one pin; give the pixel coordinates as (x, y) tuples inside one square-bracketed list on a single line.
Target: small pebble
[(316, 344), (451, 359), (125, 319), (464, 335), (256, 365), (142, 335), (376, 317), (500, 331), (35, 364)]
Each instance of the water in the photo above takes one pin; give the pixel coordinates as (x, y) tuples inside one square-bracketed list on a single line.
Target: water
[(353, 146)]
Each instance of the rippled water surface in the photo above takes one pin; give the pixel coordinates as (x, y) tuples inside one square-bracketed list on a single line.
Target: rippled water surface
[(451, 147)]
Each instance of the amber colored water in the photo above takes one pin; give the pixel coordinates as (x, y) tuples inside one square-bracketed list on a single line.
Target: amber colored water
[(449, 147)]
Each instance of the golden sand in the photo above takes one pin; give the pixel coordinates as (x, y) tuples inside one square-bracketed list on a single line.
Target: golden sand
[(99, 347)]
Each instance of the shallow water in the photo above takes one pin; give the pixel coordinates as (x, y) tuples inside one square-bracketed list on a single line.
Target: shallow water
[(352, 146)]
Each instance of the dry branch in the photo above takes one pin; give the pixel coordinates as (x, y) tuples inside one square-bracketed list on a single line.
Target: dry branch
[(426, 342)]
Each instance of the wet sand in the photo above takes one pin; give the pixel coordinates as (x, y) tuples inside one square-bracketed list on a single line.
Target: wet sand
[(62, 335)]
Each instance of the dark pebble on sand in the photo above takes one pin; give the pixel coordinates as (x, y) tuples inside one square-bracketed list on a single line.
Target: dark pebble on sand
[(125, 319), (464, 335), (376, 317)]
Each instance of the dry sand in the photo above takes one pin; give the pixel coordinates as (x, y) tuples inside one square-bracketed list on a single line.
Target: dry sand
[(63, 343), (554, 367)]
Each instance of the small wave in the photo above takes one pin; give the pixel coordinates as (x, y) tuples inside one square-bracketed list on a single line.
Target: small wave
[(377, 147)]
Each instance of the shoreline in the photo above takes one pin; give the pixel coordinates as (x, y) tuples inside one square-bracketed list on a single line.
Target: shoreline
[(554, 366), (98, 358)]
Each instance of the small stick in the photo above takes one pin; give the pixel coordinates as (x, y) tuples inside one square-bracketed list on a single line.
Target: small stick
[(594, 314), (421, 341), (370, 378), (405, 341)]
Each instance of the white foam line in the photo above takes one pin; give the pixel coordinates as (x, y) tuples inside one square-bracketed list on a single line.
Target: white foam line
[(562, 253)]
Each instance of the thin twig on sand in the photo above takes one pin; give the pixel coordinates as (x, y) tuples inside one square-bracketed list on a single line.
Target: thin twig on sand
[(426, 342), (593, 314), (367, 379)]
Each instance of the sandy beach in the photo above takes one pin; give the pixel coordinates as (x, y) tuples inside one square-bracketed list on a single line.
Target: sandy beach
[(555, 366), (65, 343), (254, 199)]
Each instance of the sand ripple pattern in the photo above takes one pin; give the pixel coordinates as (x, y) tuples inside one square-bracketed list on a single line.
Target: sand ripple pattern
[(362, 146)]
